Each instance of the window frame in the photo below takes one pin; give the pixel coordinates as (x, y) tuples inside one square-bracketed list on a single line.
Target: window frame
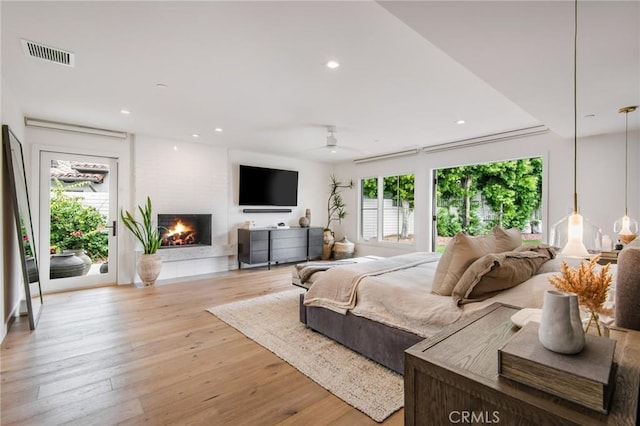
[(378, 240), (544, 200)]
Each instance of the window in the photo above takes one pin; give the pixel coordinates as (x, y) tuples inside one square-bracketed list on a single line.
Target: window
[(477, 197), (369, 206), (394, 197)]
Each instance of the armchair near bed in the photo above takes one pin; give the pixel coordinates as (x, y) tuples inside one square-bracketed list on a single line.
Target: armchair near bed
[(383, 307)]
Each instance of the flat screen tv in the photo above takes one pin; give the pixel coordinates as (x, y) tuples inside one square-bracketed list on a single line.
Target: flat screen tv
[(260, 186)]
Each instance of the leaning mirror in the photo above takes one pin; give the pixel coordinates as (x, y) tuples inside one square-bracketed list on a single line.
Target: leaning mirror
[(19, 198)]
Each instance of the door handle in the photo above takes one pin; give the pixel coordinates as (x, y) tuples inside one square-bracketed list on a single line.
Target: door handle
[(113, 228)]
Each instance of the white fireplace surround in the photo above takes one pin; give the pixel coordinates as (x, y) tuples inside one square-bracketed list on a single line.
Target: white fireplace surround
[(171, 254)]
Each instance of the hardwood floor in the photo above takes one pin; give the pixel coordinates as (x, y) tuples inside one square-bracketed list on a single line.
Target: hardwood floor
[(127, 355)]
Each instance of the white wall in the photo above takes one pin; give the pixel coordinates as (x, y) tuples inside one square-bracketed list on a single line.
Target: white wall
[(313, 190), (600, 181), (11, 114)]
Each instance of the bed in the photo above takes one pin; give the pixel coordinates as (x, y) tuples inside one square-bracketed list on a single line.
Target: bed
[(383, 307)]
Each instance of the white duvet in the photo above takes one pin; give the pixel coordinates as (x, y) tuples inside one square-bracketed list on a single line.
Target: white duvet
[(402, 298)]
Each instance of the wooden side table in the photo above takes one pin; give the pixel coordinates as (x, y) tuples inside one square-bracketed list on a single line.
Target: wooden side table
[(453, 378)]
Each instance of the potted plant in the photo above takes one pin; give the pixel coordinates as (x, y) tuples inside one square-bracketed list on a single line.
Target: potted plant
[(336, 211), (149, 263)]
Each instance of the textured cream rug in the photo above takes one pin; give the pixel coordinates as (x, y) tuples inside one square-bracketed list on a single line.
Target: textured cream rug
[(273, 322)]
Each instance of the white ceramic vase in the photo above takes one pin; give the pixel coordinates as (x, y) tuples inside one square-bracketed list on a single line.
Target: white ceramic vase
[(148, 267), (561, 326)]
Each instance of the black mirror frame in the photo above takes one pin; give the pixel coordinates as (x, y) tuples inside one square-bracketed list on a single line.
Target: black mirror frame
[(17, 181)]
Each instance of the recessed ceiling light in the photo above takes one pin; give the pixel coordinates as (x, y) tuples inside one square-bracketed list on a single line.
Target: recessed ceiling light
[(175, 147), (218, 129), (332, 64), (125, 111), (460, 122), (195, 135), (161, 86)]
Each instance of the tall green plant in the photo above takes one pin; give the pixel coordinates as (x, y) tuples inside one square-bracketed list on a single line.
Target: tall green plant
[(336, 207), (145, 232)]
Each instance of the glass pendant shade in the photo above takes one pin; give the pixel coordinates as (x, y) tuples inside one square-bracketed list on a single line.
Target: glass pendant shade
[(576, 236), (626, 229)]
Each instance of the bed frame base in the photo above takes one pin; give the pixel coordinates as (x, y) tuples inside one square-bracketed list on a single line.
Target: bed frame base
[(376, 341)]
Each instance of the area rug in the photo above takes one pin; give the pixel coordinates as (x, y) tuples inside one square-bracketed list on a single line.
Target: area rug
[(273, 322)]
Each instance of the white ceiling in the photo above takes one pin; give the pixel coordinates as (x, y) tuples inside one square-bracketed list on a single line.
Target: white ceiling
[(409, 70)]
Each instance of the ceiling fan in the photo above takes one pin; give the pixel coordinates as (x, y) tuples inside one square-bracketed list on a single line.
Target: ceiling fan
[(332, 141), (331, 148)]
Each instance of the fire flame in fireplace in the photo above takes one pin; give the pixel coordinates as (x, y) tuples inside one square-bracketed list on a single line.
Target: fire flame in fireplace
[(179, 235), (178, 229)]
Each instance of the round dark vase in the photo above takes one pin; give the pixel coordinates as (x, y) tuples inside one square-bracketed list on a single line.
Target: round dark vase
[(66, 265), (83, 256)]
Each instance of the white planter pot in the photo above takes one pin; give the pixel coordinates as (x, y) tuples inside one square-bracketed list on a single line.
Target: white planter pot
[(149, 266)]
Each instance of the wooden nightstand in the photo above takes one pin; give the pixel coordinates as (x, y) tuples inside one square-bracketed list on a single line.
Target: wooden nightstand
[(453, 378)]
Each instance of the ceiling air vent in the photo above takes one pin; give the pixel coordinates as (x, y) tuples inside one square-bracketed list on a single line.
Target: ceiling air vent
[(47, 53)]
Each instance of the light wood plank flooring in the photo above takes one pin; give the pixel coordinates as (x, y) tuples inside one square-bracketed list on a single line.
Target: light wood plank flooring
[(127, 355)]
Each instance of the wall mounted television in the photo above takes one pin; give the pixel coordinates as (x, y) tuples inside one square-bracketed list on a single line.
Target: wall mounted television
[(261, 186)]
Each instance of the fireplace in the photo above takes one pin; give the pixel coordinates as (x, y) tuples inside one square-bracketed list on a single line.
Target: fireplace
[(184, 230)]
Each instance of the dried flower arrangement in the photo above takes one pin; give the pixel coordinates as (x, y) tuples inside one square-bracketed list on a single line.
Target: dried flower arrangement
[(590, 286)]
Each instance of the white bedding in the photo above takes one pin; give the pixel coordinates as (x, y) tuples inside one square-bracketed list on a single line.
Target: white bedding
[(403, 298), (337, 288)]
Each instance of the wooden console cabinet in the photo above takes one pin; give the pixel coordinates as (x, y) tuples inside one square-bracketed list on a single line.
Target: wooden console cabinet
[(275, 245), (452, 378)]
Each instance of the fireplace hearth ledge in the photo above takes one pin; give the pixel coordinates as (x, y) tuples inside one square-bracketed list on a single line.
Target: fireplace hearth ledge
[(170, 254)]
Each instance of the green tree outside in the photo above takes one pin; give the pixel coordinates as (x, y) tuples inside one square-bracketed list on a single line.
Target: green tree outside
[(76, 226), (400, 189), (513, 190)]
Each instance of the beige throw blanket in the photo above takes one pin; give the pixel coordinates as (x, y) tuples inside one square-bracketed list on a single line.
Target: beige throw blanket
[(306, 270), (336, 289)]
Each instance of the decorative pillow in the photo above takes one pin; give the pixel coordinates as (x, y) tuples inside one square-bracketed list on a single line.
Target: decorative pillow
[(507, 239), (539, 248), (461, 252), (553, 264), (493, 273)]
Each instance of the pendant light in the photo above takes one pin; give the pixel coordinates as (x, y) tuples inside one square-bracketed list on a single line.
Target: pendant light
[(570, 232), (625, 227)]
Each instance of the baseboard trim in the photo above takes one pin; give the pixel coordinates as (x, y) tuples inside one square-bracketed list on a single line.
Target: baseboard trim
[(6, 326)]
